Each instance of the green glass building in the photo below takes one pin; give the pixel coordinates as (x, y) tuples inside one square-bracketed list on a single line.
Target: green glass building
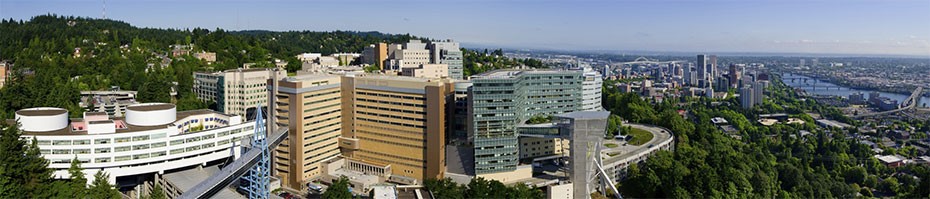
[(503, 99)]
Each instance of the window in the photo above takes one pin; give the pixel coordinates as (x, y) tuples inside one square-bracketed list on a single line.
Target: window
[(61, 142), (140, 147), (61, 151), (176, 142), (44, 142), (102, 160), (122, 148), (102, 150), (157, 135), (177, 151), (122, 139), (158, 144), (159, 154), (140, 138), (82, 151), (81, 142), (140, 156), (102, 141), (122, 158)]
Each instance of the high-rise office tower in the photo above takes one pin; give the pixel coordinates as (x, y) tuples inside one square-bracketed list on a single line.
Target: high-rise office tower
[(397, 121), (712, 67), (688, 74), (701, 66), (801, 64), (734, 75), (500, 100)]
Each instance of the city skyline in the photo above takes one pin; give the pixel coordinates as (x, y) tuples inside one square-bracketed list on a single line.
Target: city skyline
[(819, 27)]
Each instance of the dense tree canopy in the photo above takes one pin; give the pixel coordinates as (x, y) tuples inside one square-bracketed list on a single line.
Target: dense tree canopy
[(55, 57), (757, 161), (480, 188)]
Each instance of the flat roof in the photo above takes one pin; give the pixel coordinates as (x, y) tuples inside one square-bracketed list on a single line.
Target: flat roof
[(101, 122), (151, 107), (129, 128), (95, 113), (585, 114), (889, 158), (42, 112), (506, 73), (309, 77), (247, 69)]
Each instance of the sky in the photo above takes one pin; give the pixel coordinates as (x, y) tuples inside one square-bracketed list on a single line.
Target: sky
[(872, 27)]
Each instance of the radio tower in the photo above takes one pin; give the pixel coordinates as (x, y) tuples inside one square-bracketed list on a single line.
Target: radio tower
[(104, 9)]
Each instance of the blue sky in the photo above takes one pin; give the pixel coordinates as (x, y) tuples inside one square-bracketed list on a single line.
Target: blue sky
[(900, 27)]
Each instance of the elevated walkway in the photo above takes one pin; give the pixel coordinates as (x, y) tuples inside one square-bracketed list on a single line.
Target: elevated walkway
[(233, 171)]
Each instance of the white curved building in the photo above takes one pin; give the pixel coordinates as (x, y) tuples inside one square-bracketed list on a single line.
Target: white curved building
[(152, 138)]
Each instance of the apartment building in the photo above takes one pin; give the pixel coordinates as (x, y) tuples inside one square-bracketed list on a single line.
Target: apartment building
[(235, 91)]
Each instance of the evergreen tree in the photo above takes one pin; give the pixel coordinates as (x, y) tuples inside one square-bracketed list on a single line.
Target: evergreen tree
[(157, 193), (338, 190), (77, 186), (23, 171), (101, 188), (445, 188)]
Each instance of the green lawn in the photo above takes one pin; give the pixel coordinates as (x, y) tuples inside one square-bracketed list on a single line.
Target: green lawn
[(610, 145), (640, 137)]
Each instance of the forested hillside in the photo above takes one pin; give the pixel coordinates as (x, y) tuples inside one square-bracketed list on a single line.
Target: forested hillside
[(778, 161), (55, 57)]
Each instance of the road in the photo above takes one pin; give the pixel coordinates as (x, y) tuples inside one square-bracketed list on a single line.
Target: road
[(659, 136)]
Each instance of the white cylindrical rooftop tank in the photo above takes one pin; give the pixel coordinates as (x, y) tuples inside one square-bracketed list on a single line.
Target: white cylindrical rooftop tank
[(151, 114), (42, 119)]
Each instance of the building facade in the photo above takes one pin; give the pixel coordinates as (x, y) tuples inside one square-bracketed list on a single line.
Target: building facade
[(311, 108), (114, 103), (399, 121), (151, 138), (235, 91), (591, 90), (448, 53), (500, 100), (391, 121), (434, 71), (4, 72)]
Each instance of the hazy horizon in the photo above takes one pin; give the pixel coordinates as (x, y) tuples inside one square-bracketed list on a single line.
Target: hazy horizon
[(858, 27)]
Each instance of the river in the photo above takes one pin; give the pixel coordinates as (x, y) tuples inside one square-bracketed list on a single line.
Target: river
[(820, 87)]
